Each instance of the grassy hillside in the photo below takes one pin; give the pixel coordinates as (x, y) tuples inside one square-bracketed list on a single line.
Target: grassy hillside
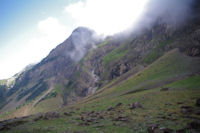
[(109, 109)]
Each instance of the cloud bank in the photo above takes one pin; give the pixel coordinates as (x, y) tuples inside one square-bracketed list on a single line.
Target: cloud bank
[(106, 16), (48, 34), (171, 12)]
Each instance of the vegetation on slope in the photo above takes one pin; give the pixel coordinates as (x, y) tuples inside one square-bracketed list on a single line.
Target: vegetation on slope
[(114, 55), (110, 109)]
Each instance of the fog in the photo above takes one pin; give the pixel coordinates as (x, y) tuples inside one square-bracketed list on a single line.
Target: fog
[(171, 12), (83, 39)]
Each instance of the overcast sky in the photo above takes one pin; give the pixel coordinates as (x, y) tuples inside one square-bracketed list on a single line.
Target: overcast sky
[(29, 29)]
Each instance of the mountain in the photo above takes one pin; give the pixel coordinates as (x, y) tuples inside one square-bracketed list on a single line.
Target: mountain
[(58, 68), (142, 81)]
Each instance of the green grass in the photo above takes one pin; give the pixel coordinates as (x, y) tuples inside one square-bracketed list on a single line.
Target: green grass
[(52, 94), (164, 43), (155, 111), (152, 56), (114, 55), (188, 83), (104, 43), (157, 52)]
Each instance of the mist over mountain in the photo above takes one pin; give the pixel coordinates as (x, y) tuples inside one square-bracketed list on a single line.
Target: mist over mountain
[(174, 13), (81, 40)]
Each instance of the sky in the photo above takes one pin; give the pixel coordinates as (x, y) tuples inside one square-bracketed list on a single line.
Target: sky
[(30, 29)]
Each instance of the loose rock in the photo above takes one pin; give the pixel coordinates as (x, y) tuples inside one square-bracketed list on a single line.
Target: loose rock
[(198, 102), (195, 124), (136, 105), (109, 109), (119, 104), (164, 89), (50, 115), (186, 109), (67, 114)]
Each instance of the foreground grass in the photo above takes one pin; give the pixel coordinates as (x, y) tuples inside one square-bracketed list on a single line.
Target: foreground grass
[(159, 107)]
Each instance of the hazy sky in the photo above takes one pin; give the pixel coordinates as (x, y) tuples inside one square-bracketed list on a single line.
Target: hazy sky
[(29, 29)]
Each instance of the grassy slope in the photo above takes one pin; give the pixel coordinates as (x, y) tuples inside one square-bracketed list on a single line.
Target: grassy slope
[(172, 70), (114, 55), (52, 101)]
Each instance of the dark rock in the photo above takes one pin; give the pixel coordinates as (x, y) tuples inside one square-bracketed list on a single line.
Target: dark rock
[(155, 129), (119, 104), (136, 105), (165, 130), (100, 125), (38, 117), (181, 131), (121, 118), (179, 102), (110, 109), (116, 124), (151, 128), (198, 102), (67, 114), (72, 112), (168, 104), (50, 115), (78, 132), (91, 112), (8, 124), (84, 124), (164, 89), (197, 112), (186, 109), (101, 117), (195, 124), (83, 118), (90, 120), (77, 108)]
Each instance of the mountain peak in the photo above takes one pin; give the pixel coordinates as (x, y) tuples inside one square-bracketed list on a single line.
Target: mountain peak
[(82, 29), (76, 45), (82, 33)]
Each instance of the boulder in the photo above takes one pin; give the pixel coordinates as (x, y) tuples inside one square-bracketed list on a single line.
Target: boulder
[(155, 129), (186, 109), (67, 114), (119, 104), (198, 102), (197, 112), (164, 89), (50, 115), (110, 108), (151, 128), (194, 124), (136, 105)]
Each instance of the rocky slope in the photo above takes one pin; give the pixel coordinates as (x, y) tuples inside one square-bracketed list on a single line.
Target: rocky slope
[(58, 68)]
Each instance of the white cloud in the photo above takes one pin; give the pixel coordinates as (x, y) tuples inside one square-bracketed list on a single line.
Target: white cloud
[(51, 26), (49, 34), (106, 16)]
